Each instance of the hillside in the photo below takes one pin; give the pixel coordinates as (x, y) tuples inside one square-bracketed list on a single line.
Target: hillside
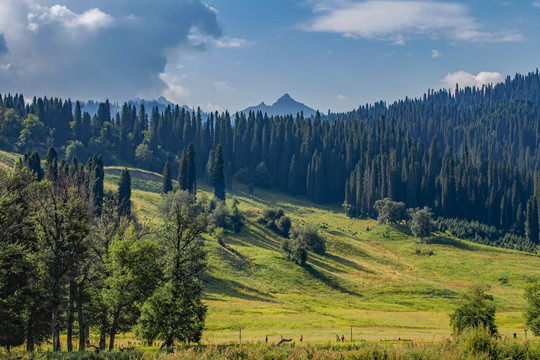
[(377, 279)]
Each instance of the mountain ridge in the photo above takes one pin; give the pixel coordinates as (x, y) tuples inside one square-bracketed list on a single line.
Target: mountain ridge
[(285, 105)]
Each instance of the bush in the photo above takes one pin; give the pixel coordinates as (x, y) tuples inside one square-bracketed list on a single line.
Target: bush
[(310, 238), (275, 220)]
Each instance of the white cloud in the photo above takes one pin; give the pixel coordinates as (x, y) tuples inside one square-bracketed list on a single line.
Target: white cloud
[(342, 97), (464, 79), (536, 3), (397, 21), (200, 40), (230, 42), (97, 49), (435, 53), (91, 19), (173, 91)]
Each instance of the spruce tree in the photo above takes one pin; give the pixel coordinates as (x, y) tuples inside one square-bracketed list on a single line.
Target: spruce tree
[(167, 183), (187, 176), (124, 193), (51, 160), (531, 222), (219, 174)]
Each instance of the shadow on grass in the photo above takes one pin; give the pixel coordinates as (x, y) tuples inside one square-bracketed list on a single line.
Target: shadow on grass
[(235, 289), (329, 281), (347, 263), (451, 242)]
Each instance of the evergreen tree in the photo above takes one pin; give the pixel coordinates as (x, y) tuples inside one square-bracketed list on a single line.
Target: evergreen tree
[(167, 182), (187, 177), (33, 163), (124, 193), (531, 222), (219, 174), (209, 171), (51, 161)]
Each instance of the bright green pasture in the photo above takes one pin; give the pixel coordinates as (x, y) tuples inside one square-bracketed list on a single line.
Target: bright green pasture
[(378, 280)]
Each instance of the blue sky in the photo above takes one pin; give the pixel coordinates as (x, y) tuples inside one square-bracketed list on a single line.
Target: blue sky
[(230, 54)]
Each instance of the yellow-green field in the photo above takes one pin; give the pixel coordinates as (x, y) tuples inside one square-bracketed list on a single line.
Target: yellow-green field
[(377, 280)]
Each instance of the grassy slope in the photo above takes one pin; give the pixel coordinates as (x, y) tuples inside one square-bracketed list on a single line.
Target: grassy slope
[(381, 282)]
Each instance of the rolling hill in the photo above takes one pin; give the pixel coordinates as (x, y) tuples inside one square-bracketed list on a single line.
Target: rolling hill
[(377, 280)]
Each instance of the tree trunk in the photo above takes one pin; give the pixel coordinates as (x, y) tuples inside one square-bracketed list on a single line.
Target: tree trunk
[(55, 328), (103, 333), (30, 331), (113, 329), (71, 316), (80, 318)]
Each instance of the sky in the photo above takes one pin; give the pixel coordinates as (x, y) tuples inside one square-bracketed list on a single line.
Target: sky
[(230, 54)]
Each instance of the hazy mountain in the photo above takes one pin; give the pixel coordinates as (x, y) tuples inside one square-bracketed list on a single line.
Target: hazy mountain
[(285, 105), (92, 106)]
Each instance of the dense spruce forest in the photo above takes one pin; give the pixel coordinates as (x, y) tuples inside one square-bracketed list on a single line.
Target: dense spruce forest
[(471, 154)]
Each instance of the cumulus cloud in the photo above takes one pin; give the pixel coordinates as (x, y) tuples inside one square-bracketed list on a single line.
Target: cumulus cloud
[(435, 53), (173, 91), (97, 48), (464, 79), (397, 21)]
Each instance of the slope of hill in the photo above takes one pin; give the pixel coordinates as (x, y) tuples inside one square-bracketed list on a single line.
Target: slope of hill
[(378, 280), (285, 105)]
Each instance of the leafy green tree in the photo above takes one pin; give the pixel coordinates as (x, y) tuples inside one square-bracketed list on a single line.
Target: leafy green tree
[(309, 236), (175, 312), (389, 212), (532, 313), (167, 182), (16, 240), (144, 156), (475, 309), (219, 174), (422, 223), (295, 251), (32, 134), (62, 216), (134, 271), (124, 193)]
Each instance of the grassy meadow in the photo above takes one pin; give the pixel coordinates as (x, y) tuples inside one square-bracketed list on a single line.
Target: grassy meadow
[(377, 283), (378, 280)]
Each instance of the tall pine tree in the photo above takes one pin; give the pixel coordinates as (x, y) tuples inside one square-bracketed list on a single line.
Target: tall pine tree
[(219, 174), (167, 182), (124, 193)]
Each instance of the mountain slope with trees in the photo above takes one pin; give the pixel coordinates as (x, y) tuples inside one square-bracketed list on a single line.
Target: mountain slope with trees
[(471, 154)]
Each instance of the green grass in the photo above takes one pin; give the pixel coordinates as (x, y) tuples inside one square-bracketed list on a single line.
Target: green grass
[(378, 280)]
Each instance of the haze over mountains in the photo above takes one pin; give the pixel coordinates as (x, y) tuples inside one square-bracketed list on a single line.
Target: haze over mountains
[(285, 105)]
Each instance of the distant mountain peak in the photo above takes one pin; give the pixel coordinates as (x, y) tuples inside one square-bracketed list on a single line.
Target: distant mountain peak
[(285, 105)]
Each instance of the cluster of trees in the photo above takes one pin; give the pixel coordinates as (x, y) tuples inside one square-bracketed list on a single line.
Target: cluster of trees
[(420, 221), (473, 153), (57, 275), (297, 242)]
